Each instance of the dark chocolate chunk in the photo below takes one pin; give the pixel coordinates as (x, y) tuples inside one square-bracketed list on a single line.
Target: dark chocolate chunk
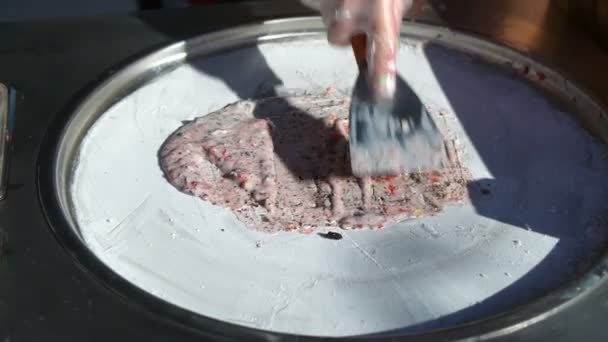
[(331, 235)]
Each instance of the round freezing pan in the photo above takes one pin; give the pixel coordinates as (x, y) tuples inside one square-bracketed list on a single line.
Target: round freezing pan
[(522, 247)]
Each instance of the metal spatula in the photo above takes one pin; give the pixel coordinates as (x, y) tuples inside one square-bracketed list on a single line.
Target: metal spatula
[(390, 136)]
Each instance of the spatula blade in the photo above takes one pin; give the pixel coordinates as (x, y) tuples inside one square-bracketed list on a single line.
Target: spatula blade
[(389, 137)]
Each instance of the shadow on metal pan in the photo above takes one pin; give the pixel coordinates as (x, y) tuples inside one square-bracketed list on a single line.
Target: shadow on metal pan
[(543, 200), (492, 198)]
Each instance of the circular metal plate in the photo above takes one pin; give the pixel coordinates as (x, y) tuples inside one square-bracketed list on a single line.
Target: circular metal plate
[(535, 218)]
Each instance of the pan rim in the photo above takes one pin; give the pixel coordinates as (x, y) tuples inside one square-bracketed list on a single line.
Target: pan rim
[(55, 208)]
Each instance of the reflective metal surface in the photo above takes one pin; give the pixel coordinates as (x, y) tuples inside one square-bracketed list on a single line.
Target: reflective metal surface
[(53, 73), (62, 161)]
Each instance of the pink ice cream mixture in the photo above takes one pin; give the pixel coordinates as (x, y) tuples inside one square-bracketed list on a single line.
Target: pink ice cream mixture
[(281, 164)]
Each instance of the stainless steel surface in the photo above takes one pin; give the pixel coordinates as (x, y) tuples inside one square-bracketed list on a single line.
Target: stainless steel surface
[(138, 73), (7, 100), (80, 309)]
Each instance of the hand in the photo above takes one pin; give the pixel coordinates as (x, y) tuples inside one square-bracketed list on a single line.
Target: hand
[(381, 21)]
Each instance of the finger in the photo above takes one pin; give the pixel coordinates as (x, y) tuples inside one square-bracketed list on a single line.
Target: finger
[(345, 18), (383, 44), (339, 32), (335, 18)]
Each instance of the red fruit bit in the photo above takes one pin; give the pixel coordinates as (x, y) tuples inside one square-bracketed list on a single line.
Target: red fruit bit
[(385, 209), (526, 70), (194, 184), (541, 76), (330, 89), (389, 178), (392, 188), (331, 119), (380, 226), (359, 225), (307, 231), (435, 179), (241, 177), (291, 228), (224, 152), (404, 210)]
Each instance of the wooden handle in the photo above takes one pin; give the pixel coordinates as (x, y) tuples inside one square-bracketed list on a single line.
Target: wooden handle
[(359, 44)]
